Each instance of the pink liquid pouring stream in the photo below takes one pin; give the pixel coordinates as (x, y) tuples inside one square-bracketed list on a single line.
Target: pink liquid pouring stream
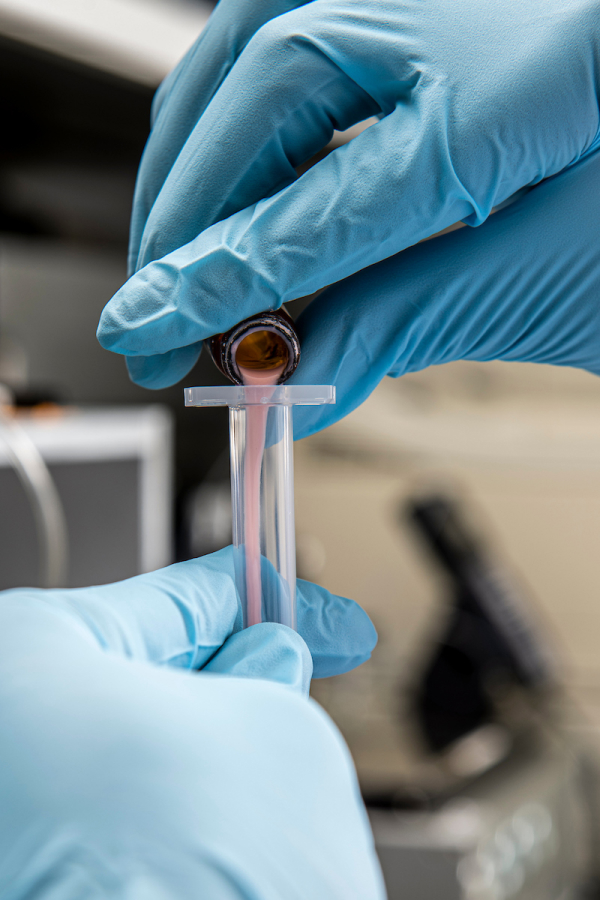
[(256, 434)]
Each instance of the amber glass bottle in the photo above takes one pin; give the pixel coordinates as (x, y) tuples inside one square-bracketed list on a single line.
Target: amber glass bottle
[(265, 341)]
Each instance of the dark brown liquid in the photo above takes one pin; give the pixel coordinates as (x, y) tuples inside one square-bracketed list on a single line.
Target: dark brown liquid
[(262, 350)]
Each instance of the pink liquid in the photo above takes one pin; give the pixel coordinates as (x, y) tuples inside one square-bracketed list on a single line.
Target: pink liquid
[(256, 430)]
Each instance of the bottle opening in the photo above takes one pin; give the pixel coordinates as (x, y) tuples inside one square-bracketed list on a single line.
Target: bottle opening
[(265, 344), (262, 350)]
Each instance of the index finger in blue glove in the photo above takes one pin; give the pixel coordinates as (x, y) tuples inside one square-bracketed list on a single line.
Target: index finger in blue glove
[(314, 232), (288, 96), (186, 92), (339, 633), (329, 63), (182, 615)]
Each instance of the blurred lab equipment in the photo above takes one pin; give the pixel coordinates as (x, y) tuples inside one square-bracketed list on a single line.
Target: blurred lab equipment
[(206, 524), (487, 644), (74, 129), (515, 813), (112, 471), (40, 489), (262, 491), (138, 42), (522, 830)]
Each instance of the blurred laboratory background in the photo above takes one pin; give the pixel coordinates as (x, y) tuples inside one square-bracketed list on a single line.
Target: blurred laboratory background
[(77, 82), (459, 506)]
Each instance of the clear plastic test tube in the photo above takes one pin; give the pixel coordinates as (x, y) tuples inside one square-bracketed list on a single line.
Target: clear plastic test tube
[(262, 491)]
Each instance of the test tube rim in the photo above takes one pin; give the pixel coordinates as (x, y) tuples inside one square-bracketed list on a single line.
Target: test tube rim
[(257, 395)]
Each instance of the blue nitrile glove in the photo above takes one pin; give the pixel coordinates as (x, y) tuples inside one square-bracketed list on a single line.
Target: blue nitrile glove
[(477, 100), (124, 774), (525, 286)]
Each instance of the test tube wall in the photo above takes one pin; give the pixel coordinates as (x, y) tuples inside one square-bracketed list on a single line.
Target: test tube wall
[(262, 491)]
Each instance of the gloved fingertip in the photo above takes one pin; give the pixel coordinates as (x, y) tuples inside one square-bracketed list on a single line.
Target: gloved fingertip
[(268, 651), (338, 632), (108, 330), (164, 369)]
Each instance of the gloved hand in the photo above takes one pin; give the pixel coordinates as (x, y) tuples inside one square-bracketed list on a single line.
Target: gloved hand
[(477, 100), (124, 774), (523, 287)]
